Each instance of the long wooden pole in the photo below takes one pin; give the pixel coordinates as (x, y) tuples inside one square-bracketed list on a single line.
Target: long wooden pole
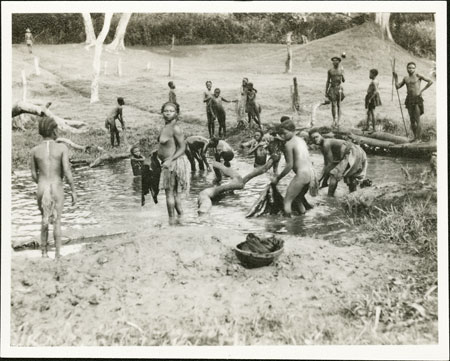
[(399, 102)]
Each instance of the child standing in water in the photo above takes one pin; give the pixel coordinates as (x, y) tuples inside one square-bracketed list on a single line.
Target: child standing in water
[(110, 122), (49, 165), (372, 99)]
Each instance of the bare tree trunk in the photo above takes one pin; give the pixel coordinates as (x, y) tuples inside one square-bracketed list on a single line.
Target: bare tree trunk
[(237, 182), (382, 19), (295, 98), (289, 52), (97, 57), (118, 42), (88, 28), (72, 126)]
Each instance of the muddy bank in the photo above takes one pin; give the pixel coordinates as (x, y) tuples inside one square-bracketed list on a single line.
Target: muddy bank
[(184, 286)]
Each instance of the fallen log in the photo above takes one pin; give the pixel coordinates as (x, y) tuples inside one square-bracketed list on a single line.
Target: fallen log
[(237, 182), (84, 148), (386, 137), (68, 125), (360, 140), (108, 158)]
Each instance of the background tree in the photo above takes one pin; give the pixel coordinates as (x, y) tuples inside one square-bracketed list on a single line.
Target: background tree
[(97, 57), (88, 28), (382, 19), (118, 42)]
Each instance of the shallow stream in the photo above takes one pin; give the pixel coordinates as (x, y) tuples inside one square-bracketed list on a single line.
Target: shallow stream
[(109, 202)]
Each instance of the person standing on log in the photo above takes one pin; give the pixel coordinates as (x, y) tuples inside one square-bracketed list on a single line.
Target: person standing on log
[(219, 111), (175, 170), (29, 41), (196, 147), (333, 89), (414, 100), (372, 99), (297, 159), (207, 95), (342, 159), (110, 122), (49, 165)]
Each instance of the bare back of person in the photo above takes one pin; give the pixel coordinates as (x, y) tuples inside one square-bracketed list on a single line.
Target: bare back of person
[(337, 147), (301, 161), (196, 143)]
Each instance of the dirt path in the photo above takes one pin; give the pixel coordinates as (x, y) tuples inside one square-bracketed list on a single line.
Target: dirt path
[(185, 286)]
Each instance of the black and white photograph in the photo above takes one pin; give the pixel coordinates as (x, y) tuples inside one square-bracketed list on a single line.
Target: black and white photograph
[(182, 176)]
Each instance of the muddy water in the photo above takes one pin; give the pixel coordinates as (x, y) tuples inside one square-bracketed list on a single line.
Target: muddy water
[(109, 202)]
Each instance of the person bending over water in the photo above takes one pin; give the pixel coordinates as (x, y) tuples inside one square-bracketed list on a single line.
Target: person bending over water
[(175, 175), (297, 159), (49, 165), (196, 147), (110, 122), (342, 159)]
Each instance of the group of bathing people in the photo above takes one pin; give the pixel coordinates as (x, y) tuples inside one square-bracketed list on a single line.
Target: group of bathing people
[(177, 156)]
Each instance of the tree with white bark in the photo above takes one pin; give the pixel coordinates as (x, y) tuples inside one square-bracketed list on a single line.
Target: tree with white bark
[(89, 29), (382, 19), (118, 43), (97, 57)]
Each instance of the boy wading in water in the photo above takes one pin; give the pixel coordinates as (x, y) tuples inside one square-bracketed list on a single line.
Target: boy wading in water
[(219, 111), (29, 40), (342, 159), (414, 100), (49, 165), (372, 99), (110, 122), (207, 95), (333, 89), (175, 174), (297, 159)]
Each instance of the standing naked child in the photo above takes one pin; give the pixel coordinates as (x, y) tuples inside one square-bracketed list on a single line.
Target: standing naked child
[(414, 100), (29, 40), (49, 165), (297, 159), (219, 111), (241, 104), (333, 89), (253, 109), (372, 99), (110, 122), (207, 95), (196, 147)]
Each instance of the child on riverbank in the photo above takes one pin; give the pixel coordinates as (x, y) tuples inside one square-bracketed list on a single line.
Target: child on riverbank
[(49, 165), (372, 99), (110, 122), (219, 111)]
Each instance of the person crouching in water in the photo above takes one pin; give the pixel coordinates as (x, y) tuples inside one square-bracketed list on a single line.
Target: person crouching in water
[(175, 168), (342, 159), (297, 159), (110, 122), (222, 150), (219, 111), (137, 160), (258, 147), (372, 99), (49, 165)]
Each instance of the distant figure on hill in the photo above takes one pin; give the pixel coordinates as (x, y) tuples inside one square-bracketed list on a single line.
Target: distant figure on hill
[(372, 99), (333, 89), (241, 105), (414, 100), (49, 165), (29, 40), (110, 122), (207, 95), (219, 111), (253, 109), (196, 147), (173, 95), (342, 159)]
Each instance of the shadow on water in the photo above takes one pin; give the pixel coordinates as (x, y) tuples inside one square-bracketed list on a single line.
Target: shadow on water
[(109, 201)]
